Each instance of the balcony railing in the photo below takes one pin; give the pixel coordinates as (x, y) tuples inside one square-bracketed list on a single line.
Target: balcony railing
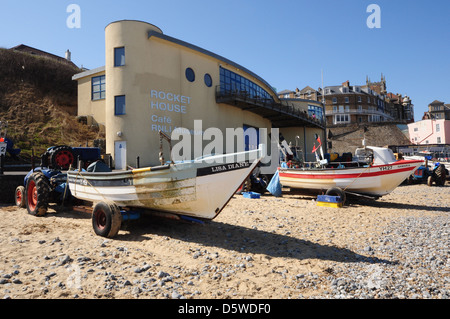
[(281, 114)]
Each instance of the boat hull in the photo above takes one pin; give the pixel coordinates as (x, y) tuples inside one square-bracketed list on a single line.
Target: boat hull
[(198, 189), (376, 180)]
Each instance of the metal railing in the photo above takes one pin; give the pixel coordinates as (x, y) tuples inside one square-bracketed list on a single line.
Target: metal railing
[(255, 101)]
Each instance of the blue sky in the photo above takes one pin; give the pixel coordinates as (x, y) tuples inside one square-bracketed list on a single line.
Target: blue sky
[(286, 42)]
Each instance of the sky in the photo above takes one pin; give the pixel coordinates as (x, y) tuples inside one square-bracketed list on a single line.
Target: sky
[(289, 43)]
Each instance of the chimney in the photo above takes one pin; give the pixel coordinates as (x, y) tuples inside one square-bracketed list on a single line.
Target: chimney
[(346, 84), (68, 55)]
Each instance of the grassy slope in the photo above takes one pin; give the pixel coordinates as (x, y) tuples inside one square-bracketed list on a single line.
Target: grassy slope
[(38, 99)]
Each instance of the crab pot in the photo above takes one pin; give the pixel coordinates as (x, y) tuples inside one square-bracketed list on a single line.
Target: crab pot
[(329, 201)]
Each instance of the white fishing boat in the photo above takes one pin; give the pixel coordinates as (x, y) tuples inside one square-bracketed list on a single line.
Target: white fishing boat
[(198, 188), (375, 172)]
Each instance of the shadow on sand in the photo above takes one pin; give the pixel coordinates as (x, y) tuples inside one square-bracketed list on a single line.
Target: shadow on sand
[(391, 205), (231, 237), (241, 239)]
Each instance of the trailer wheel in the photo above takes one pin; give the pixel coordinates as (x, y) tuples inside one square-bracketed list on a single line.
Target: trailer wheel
[(337, 191), (37, 194), (430, 180), (62, 157), (106, 219), (20, 197)]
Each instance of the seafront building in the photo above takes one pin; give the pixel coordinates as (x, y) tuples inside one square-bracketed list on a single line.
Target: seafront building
[(153, 82), (347, 104), (434, 128), (430, 131)]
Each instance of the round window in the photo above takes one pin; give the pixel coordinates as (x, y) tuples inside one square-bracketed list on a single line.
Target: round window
[(190, 75), (208, 80)]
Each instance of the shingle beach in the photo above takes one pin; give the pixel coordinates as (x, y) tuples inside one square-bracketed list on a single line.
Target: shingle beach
[(268, 248)]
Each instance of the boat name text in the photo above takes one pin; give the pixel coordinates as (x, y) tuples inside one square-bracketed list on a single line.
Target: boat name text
[(222, 168), (229, 167)]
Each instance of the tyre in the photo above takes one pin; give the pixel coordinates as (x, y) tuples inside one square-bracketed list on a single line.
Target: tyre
[(440, 175), (37, 194), (62, 157), (337, 191), (106, 219), (20, 197)]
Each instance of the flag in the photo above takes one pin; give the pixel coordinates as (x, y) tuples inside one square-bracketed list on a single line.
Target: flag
[(318, 139)]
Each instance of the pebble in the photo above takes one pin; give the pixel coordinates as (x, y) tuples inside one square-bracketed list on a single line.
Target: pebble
[(420, 249), (407, 259)]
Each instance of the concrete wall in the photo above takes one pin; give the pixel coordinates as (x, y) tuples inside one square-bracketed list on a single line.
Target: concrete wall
[(86, 106)]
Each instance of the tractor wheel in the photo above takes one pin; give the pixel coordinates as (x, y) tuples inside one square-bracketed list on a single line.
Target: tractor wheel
[(337, 191), (37, 194), (440, 175), (62, 157), (106, 219), (20, 197)]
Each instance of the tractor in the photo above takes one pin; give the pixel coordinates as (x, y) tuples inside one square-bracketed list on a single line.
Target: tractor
[(438, 175), (48, 183), (62, 157), (420, 175)]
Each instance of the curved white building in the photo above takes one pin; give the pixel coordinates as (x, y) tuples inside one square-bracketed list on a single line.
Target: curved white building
[(152, 82)]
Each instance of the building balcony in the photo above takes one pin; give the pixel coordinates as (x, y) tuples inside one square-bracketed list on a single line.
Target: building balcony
[(280, 114)]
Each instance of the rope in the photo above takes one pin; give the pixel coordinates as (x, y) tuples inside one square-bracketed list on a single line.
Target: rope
[(79, 174), (370, 165)]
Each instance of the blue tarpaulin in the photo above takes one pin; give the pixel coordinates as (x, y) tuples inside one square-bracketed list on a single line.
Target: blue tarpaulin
[(274, 186)]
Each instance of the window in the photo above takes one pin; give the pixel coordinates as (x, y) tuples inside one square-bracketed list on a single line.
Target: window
[(208, 80), (119, 105), (341, 119), (438, 128), (231, 82), (347, 100), (315, 111), (190, 75), (334, 100), (119, 56), (359, 99), (439, 140), (98, 88), (375, 118)]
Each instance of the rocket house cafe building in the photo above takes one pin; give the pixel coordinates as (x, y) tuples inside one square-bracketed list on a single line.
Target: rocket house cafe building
[(152, 82)]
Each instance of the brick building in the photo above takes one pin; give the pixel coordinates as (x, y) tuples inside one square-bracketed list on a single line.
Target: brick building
[(351, 104), (438, 110)]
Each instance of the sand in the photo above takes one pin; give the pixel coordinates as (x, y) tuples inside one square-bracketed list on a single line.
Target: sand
[(266, 248)]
